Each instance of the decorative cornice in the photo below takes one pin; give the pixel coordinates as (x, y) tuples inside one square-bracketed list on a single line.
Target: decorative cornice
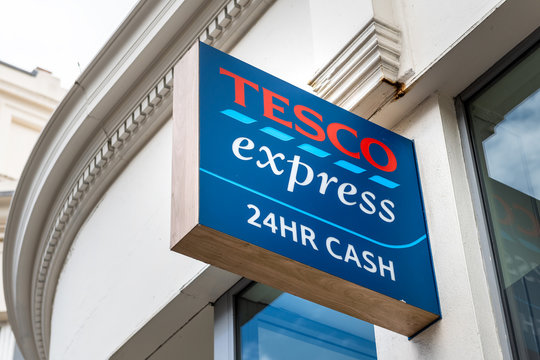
[(363, 76), (107, 151), (232, 21), (222, 32)]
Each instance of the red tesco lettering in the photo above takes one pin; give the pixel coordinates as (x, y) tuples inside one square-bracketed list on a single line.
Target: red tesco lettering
[(310, 121)]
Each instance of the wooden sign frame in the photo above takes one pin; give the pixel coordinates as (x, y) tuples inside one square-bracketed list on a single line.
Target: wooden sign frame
[(193, 239)]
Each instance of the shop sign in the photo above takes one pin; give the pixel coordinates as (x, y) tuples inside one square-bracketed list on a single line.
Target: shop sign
[(300, 194)]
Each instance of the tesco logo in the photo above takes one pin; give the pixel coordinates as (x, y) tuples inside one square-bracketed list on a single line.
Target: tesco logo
[(311, 123)]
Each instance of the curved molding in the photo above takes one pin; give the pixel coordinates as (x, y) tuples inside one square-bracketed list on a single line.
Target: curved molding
[(94, 133), (232, 22), (362, 77), (113, 148)]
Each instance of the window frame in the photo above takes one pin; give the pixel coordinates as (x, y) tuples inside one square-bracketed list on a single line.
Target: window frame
[(224, 322), (480, 206)]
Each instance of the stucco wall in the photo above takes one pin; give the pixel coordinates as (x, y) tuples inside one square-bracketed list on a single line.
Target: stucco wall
[(119, 271), (467, 328), (431, 28), (295, 38)]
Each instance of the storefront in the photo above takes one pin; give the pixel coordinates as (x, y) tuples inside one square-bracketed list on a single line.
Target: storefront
[(88, 270)]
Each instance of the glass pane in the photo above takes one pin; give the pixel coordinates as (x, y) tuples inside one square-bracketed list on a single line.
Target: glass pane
[(506, 134), (273, 325)]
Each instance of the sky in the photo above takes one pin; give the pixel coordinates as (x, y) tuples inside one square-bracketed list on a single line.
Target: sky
[(513, 151), (61, 36)]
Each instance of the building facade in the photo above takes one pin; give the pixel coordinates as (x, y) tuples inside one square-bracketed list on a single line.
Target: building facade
[(88, 273), (27, 100)]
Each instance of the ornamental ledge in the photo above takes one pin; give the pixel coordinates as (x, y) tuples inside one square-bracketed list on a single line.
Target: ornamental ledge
[(229, 24), (139, 119), (222, 32), (363, 76)]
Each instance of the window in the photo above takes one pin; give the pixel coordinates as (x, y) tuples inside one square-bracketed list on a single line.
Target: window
[(272, 325), (504, 123)]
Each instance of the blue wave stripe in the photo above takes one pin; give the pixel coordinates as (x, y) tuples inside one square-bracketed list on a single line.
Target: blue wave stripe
[(238, 116), (404, 246), (314, 150), (276, 133), (384, 182), (348, 166)]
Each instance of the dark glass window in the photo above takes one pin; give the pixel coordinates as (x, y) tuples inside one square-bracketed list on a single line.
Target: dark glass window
[(272, 325), (504, 121)]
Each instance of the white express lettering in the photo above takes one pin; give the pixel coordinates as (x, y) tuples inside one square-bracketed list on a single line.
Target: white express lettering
[(237, 145), (391, 217), (325, 181), (365, 196), (346, 189), (294, 172), (271, 160), (302, 175)]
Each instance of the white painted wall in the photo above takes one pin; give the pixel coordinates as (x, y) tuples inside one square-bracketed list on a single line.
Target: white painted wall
[(119, 271), (430, 28), (295, 38), (193, 341), (467, 329)]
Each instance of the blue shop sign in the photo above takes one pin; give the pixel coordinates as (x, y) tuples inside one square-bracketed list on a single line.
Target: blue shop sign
[(298, 176)]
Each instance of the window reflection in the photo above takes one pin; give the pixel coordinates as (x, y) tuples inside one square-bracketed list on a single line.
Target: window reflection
[(513, 151), (505, 119), (278, 326)]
